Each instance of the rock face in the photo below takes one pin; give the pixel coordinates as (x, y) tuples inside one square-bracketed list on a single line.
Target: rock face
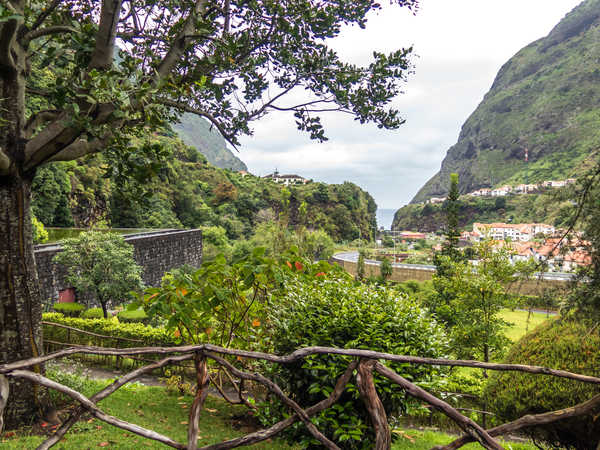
[(545, 99), (196, 132)]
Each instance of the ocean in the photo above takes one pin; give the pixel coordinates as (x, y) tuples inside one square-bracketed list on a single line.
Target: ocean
[(385, 217)]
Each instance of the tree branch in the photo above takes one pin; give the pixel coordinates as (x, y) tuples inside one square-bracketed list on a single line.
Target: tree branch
[(103, 54), (4, 391), (4, 163), (94, 410), (47, 31), (279, 393), (297, 356), (178, 46), (578, 410), (210, 117), (38, 119), (466, 424), (45, 13), (108, 390)]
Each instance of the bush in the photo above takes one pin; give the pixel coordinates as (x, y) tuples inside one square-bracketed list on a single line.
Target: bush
[(93, 313), (135, 316), (561, 344), (342, 313), (69, 309), (149, 336)]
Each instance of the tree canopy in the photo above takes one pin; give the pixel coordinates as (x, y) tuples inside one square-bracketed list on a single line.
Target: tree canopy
[(123, 64)]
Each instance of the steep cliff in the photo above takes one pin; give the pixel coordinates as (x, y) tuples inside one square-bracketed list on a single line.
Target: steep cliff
[(545, 99), (196, 132)]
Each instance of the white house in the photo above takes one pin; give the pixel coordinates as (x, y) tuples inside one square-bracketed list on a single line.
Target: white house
[(286, 179)]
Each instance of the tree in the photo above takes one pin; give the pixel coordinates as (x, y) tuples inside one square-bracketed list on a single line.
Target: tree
[(80, 77), (478, 291), (360, 265), (452, 232), (101, 264), (386, 269)]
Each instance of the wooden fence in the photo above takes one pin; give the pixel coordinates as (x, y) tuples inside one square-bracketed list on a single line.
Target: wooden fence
[(362, 367)]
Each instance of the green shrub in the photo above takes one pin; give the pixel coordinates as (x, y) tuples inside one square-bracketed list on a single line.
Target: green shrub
[(560, 344), (93, 313), (69, 309), (135, 316), (149, 336), (342, 313)]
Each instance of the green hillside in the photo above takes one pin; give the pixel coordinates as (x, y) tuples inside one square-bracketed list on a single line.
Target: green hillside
[(552, 207), (545, 99), (189, 192), (197, 132)]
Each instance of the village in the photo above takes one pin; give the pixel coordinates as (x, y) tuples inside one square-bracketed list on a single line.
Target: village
[(540, 242), (514, 190)]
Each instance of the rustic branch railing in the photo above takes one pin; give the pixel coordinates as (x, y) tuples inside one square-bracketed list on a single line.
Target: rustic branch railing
[(364, 364)]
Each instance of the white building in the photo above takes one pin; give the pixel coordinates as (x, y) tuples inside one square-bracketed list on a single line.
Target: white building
[(286, 179)]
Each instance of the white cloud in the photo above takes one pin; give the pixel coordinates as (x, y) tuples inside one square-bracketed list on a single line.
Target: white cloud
[(460, 44)]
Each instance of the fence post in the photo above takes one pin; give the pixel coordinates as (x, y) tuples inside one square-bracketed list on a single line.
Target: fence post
[(368, 393), (202, 381), (4, 391)]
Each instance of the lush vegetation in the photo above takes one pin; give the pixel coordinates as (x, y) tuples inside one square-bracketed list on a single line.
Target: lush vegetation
[(554, 207), (561, 344), (164, 410), (101, 264), (189, 192), (337, 312), (543, 99)]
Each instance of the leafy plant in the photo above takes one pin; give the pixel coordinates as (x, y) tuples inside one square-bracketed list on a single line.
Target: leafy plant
[(221, 302), (338, 312)]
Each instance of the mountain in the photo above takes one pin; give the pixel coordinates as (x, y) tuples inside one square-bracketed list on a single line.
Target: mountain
[(545, 99), (197, 132)]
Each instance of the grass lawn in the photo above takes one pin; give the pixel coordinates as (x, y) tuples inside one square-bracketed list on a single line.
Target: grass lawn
[(424, 440), (519, 321), (150, 407)]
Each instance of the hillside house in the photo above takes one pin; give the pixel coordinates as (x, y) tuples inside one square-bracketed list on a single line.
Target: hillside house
[(501, 191), (286, 180), (435, 200)]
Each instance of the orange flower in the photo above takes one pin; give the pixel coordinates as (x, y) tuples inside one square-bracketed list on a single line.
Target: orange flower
[(208, 331), (177, 333), (256, 323), (299, 266), (320, 274), (182, 291), (289, 264)]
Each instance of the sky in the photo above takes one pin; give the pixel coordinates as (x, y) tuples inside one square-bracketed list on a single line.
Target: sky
[(459, 46)]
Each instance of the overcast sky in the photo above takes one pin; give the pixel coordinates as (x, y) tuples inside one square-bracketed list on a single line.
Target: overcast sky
[(459, 46)]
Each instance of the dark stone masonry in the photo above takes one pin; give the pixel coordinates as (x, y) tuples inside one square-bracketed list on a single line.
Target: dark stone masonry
[(156, 252)]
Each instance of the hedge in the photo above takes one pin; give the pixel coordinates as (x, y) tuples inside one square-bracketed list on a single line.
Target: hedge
[(69, 309), (135, 316), (150, 336), (560, 344)]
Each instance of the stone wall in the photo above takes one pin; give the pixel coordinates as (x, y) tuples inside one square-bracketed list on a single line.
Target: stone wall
[(156, 252), (400, 274)]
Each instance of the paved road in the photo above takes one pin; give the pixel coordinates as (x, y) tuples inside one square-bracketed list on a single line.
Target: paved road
[(353, 257)]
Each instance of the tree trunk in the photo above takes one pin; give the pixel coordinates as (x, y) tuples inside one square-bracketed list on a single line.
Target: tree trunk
[(20, 305)]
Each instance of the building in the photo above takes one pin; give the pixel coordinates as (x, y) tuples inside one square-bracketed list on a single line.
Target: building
[(501, 191), (434, 200), (520, 232), (411, 235), (286, 179)]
